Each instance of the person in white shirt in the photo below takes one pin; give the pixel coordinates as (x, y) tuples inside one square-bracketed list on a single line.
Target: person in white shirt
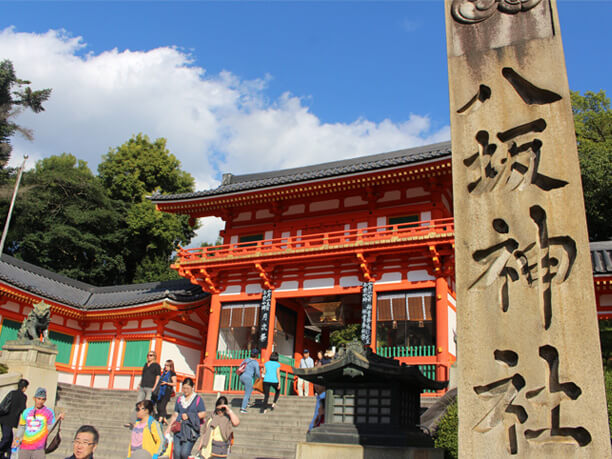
[(303, 386)]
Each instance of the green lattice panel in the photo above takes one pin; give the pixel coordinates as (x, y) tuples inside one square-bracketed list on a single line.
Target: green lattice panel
[(9, 331), (136, 353), (97, 353), (64, 346)]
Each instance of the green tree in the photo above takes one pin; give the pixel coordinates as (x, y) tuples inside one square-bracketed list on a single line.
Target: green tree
[(130, 172), (15, 96), (64, 221), (593, 121), (345, 335)]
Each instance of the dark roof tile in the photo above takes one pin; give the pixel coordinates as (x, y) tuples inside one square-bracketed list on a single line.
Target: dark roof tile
[(70, 292), (237, 183), (601, 257)]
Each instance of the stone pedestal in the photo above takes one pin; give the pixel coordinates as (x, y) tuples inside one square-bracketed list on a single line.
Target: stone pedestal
[(36, 363), (306, 450)]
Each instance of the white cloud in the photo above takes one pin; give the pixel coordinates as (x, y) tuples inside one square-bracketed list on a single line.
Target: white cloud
[(213, 123)]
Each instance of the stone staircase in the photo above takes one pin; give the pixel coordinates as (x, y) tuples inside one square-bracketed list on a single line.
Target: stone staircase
[(273, 435)]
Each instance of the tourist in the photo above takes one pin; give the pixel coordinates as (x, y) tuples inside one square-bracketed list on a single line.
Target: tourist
[(217, 438), (251, 371), (11, 407), (189, 411), (271, 373), (146, 434), (34, 426), (303, 385), (319, 358), (164, 390), (149, 378), (84, 443)]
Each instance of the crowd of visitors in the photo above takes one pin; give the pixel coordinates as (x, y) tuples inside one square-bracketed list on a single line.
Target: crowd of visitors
[(154, 434)]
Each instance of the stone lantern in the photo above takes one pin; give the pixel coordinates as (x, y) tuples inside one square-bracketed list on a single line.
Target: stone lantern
[(370, 400)]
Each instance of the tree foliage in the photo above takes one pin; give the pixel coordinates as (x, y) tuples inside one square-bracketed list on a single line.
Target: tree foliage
[(593, 121), (101, 229), (130, 172), (64, 221), (446, 436), (15, 96), (345, 335)]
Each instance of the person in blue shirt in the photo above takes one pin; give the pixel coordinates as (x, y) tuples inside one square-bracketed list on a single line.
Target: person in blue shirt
[(251, 371), (271, 378)]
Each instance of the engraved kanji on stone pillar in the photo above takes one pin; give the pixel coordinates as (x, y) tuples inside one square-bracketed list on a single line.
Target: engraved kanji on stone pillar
[(524, 278)]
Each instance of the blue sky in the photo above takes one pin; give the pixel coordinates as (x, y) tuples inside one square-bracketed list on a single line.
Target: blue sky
[(249, 86)]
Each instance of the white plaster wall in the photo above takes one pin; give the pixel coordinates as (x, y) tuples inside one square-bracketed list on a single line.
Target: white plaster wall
[(185, 358), (388, 278), (414, 192), (73, 324), (75, 352), (110, 355), (325, 205), (352, 201), (194, 341), (287, 286), (419, 275), (148, 323), (318, 283), (425, 216), (108, 326), (361, 225), (121, 382), (83, 380), (253, 288), (452, 329), (231, 290), (184, 328), (132, 324), (295, 209), (120, 353), (101, 381), (381, 221), (11, 306), (263, 213), (64, 377), (243, 216), (451, 300), (234, 239), (268, 234), (605, 300), (445, 202), (390, 196), (57, 319), (349, 281)]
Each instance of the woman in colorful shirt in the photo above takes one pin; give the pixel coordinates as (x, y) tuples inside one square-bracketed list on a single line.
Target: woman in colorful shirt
[(146, 433), (271, 379), (190, 411)]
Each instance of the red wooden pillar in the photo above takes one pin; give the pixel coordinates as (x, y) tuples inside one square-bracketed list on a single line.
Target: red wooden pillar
[(299, 335), (271, 327), (442, 355), (211, 342)]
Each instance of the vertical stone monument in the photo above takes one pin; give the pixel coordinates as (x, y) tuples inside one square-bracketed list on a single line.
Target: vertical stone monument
[(530, 374)]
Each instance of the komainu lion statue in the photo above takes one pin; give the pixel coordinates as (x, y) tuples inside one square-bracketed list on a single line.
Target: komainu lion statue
[(36, 324)]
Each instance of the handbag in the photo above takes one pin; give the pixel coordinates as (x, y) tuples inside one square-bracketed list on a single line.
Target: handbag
[(258, 385), (53, 439), (175, 427)]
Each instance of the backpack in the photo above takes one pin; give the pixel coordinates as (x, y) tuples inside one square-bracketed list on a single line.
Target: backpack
[(243, 366)]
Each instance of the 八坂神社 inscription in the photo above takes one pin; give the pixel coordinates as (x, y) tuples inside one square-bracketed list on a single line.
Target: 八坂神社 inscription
[(527, 330)]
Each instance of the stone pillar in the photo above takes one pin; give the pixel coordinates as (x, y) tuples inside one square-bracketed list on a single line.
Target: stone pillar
[(36, 363), (211, 342), (530, 375), (442, 355)]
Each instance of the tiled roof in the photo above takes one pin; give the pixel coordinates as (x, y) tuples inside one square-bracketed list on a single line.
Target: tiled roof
[(601, 256), (70, 292), (236, 183)]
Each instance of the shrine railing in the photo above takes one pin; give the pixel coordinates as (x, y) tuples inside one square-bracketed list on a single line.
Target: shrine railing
[(406, 351), (342, 239)]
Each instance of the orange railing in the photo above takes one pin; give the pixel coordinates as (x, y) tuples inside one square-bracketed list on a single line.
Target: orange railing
[(430, 229)]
